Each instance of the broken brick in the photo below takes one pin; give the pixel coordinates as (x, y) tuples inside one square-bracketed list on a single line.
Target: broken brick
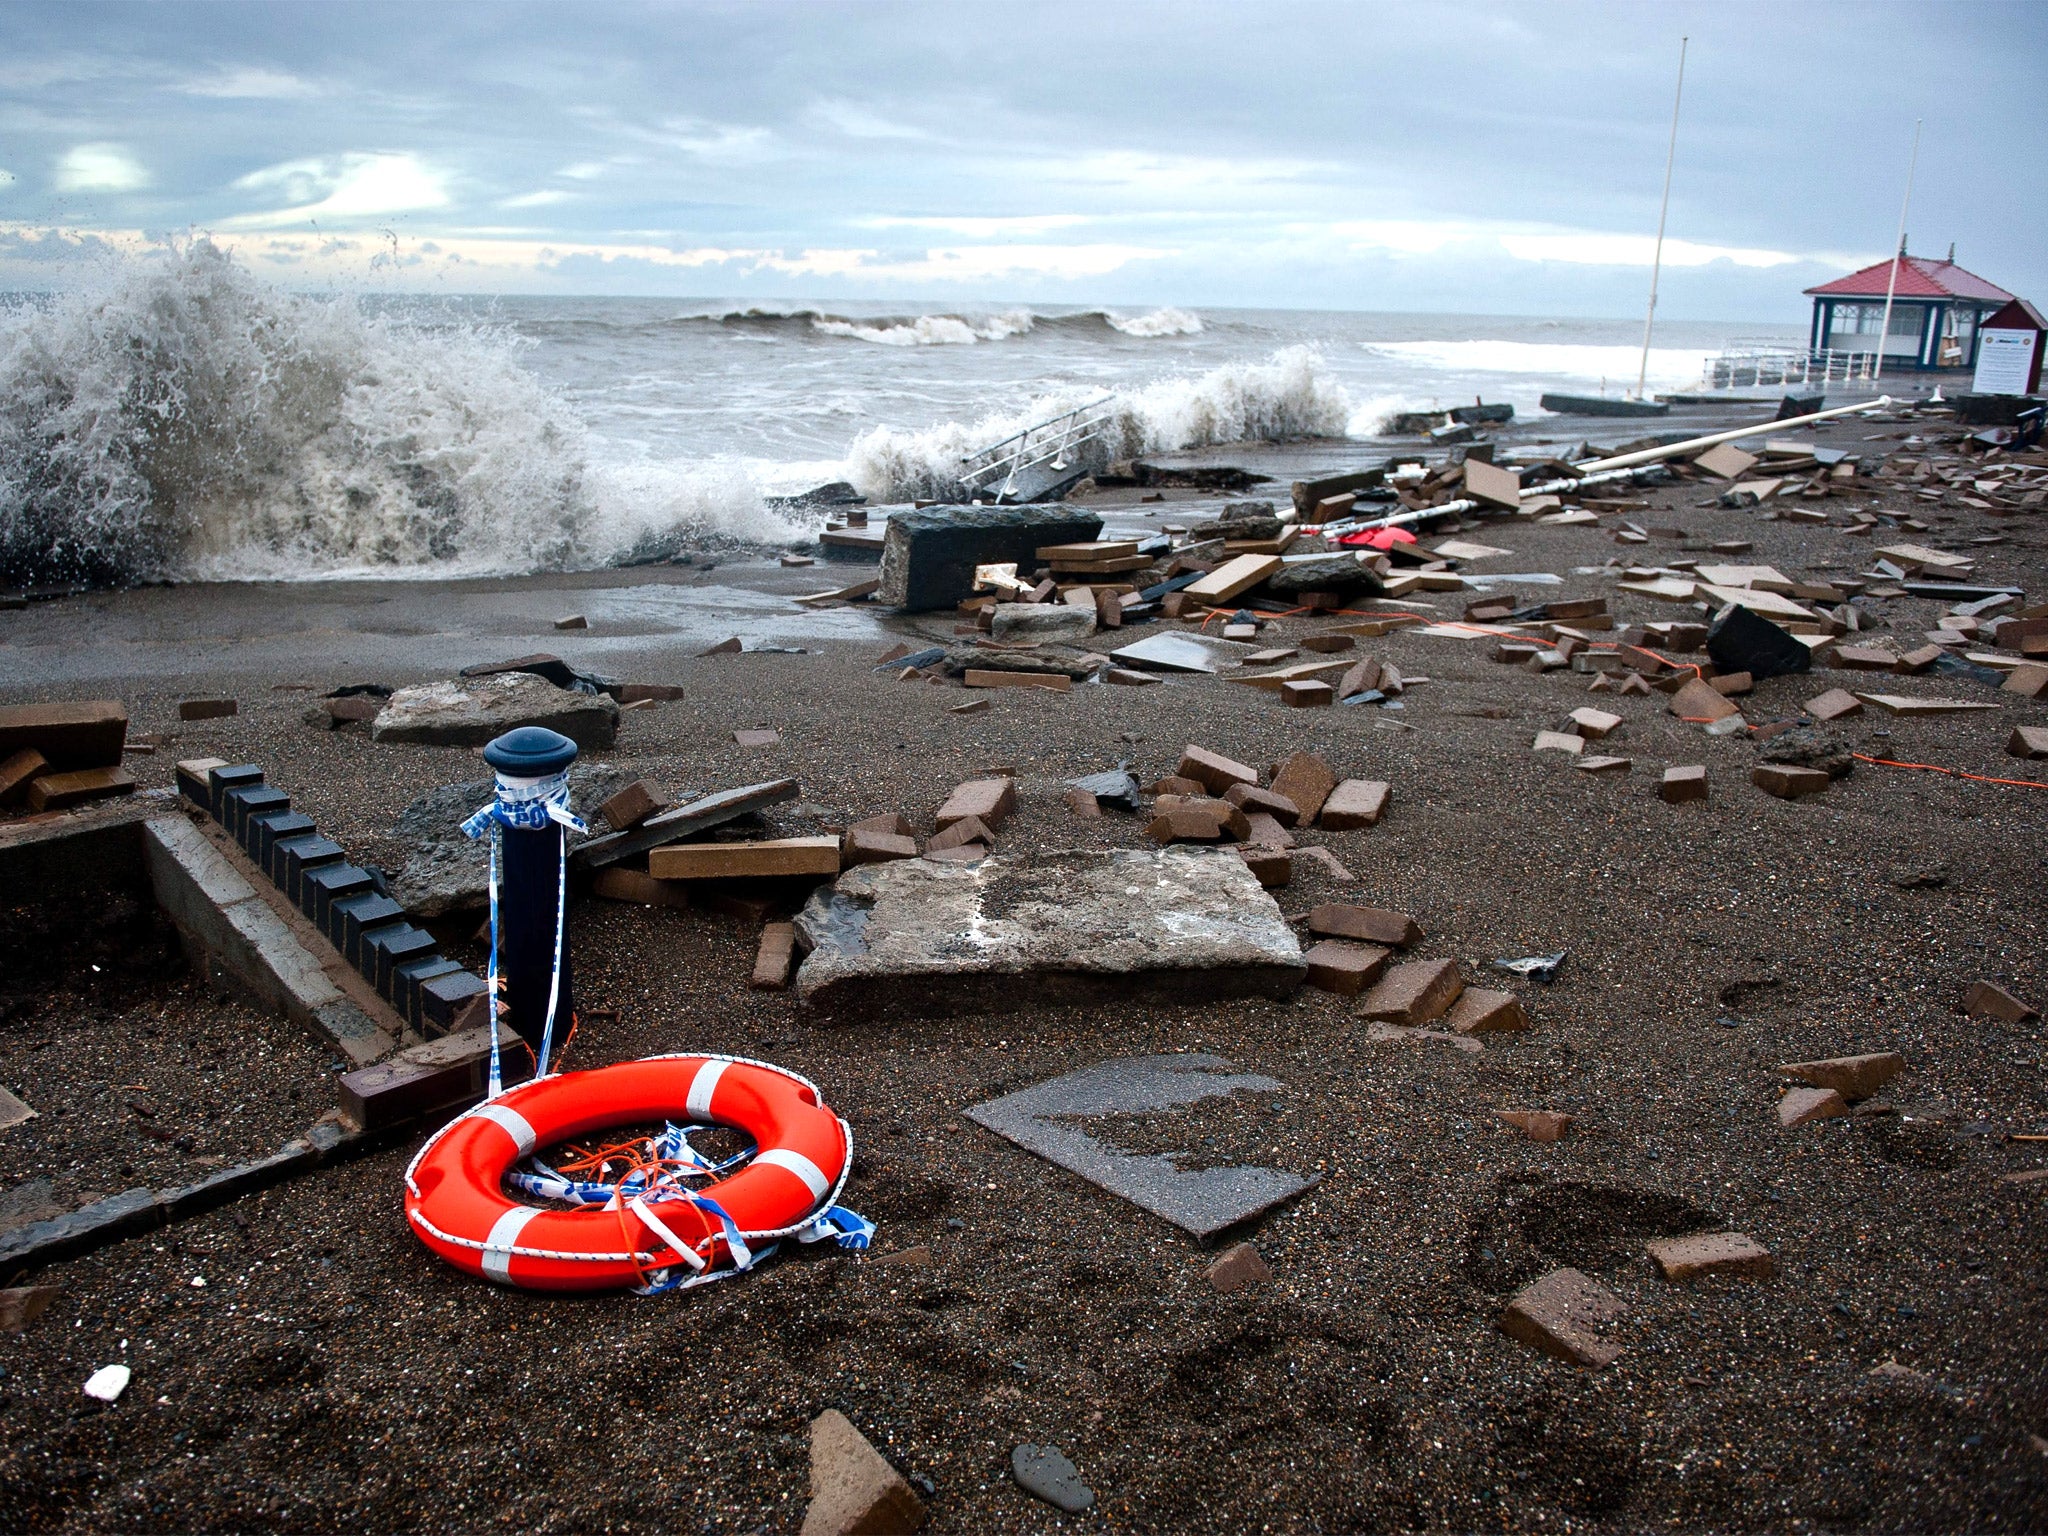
[(1237, 1267), (1594, 723), (1558, 741), (1729, 684), (2028, 741), (958, 834), (1372, 925), (1347, 969), (54, 791), (1683, 784), (206, 709), (1483, 1011), (1800, 1105), (632, 805), (864, 845), (1536, 1124), (854, 1491), (1853, 1077), (1355, 803), (1415, 993), (1564, 1314), (1986, 999), (1697, 701), (1174, 784), (1306, 781), (1084, 804), (1214, 772), (723, 861), (1307, 693), (1711, 1253), (1913, 663), (893, 822), (988, 800), (773, 960), (18, 770), (2029, 681), (628, 885), (73, 734), (1057, 682), (1249, 798), (1835, 704), (1271, 867), (1787, 781), (1324, 645)]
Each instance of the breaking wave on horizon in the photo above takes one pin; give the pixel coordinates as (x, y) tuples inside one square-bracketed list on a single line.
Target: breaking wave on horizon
[(951, 330)]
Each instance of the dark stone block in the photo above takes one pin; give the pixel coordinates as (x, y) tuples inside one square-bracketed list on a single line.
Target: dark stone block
[(387, 948), (292, 857), (929, 555), (442, 999), (266, 832), (320, 888), (221, 780), (406, 980), (238, 805), (79, 1231), (1742, 641), (233, 1183), (350, 916)]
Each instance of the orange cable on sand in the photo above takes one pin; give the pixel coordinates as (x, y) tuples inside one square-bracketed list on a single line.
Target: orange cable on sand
[(1956, 773)]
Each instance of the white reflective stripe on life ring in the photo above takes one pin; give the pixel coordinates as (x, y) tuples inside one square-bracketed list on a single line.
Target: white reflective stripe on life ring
[(497, 1255), (798, 1164), (702, 1087), (515, 1125)]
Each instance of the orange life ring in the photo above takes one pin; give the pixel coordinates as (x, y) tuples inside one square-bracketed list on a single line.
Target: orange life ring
[(454, 1187)]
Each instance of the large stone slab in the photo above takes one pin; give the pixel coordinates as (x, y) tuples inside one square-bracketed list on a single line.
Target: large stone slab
[(929, 555), (919, 937), (468, 712), (444, 870), (1205, 1202)]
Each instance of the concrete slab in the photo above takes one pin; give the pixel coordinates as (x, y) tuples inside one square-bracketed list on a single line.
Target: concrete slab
[(1205, 1202), (922, 938)]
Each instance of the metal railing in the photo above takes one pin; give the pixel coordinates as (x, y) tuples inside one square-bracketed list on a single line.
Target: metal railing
[(1055, 443), (1769, 364)]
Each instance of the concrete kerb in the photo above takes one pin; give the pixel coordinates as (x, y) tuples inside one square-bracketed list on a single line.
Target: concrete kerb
[(228, 925)]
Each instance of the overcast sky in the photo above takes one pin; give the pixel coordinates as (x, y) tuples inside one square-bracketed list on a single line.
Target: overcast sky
[(1491, 158)]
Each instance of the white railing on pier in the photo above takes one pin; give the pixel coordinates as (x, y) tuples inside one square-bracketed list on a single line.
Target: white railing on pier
[(1054, 443), (1771, 364)]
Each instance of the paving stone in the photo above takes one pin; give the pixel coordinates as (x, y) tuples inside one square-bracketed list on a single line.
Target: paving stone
[(893, 822), (1565, 1314), (854, 1491), (1985, 999), (1853, 1077), (1600, 764), (990, 801), (1835, 704), (1728, 684), (1683, 784), (1371, 925), (1483, 1011), (773, 961), (1711, 1253), (1267, 833), (1787, 781), (1237, 1267), (1800, 1105), (56, 791), (206, 709), (13, 1111), (1214, 772), (1418, 992), (81, 733), (632, 805), (2029, 681), (864, 846), (1249, 797), (1355, 803), (1558, 741), (1536, 1124), (18, 770), (1594, 723), (1346, 969), (1307, 693), (969, 829), (2028, 741), (769, 858), (1016, 677), (1045, 1473), (638, 888), (1305, 781), (22, 1304), (1697, 701)]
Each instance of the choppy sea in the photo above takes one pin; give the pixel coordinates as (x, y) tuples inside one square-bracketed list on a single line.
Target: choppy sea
[(179, 415)]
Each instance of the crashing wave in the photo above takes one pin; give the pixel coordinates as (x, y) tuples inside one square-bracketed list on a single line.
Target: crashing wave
[(1291, 394), (1160, 322), (944, 328), (929, 330)]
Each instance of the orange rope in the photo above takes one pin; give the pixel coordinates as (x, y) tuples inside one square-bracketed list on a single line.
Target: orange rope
[(1957, 773)]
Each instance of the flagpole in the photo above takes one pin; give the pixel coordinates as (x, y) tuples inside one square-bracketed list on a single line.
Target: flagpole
[(1891, 284), (1657, 258)]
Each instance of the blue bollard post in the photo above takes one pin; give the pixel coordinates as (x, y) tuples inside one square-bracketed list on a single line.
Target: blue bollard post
[(527, 822)]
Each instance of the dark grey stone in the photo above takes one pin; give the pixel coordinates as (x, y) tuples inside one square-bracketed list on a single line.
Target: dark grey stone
[(470, 712), (1066, 661), (1044, 1472), (1808, 746), (1056, 622), (446, 870), (1342, 574), (1182, 653), (75, 1232), (1744, 641), (1205, 1202), (929, 555)]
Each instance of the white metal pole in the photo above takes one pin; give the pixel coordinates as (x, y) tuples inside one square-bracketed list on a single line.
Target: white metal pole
[(1898, 253), (1657, 257)]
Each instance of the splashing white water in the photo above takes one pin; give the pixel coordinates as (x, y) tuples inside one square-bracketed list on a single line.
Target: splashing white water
[(1160, 322), (930, 330), (1291, 394)]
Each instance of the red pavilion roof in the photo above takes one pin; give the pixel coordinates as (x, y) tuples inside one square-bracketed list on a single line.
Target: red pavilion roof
[(1920, 277)]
